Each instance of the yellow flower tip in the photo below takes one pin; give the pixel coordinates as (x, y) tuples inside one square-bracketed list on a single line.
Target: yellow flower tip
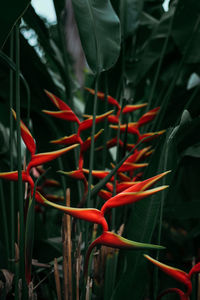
[(163, 187), (53, 142), (87, 116), (14, 113), (45, 111), (147, 257), (161, 131)]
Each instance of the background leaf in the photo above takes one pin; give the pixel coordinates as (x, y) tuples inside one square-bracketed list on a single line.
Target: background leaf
[(10, 12), (99, 30)]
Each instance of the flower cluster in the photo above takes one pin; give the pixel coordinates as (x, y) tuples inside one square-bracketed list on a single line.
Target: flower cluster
[(129, 187)]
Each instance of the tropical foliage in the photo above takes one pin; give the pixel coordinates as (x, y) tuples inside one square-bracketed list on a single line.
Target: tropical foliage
[(91, 172)]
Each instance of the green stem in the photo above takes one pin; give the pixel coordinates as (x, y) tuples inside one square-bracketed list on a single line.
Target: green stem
[(12, 203), (92, 143), (19, 165), (104, 154), (4, 221), (91, 161), (121, 93), (164, 168)]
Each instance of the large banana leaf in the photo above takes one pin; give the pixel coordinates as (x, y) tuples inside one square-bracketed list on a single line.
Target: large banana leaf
[(99, 29), (10, 12)]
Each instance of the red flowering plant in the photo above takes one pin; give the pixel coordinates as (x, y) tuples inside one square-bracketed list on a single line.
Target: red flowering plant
[(129, 186), (129, 189), (36, 159), (179, 275)]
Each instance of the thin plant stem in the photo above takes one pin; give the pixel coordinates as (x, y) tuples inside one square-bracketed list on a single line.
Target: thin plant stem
[(19, 165), (91, 161), (12, 203), (4, 221), (57, 280), (104, 153), (92, 142), (165, 154), (121, 93)]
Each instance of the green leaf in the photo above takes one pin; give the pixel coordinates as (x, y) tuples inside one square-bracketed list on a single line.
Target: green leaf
[(99, 30), (185, 31), (132, 13), (10, 13)]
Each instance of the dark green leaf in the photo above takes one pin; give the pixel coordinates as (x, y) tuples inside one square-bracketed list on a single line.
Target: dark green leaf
[(99, 30), (10, 12)]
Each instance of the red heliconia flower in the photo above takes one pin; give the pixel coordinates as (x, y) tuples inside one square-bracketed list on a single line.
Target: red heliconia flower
[(177, 274), (68, 140), (87, 143), (130, 108), (67, 115), (113, 119), (61, 105), (86, 124), (105, 195), (129, 146), (148, 117), (123, 177), (125, 197), (76, 174), (137, 155), (51, 183), (13, 175), (101, 96), (120, 186), (130, 128), (111, 143), (36, 159), (41, 158), (134, 193), (79, 175), (26, 136), (195, 269), (88, 214), (150, 135), (65, 112), (181, 294), (127, 166), (100, 174), (114, 240)]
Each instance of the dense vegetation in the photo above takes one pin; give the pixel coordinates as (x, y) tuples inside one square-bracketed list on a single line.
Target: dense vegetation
[(130, 115)]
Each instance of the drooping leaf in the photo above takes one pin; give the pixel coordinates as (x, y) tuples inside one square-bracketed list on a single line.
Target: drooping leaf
[(99, 30)]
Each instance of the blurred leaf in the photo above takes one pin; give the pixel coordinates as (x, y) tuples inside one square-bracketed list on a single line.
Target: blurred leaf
[(99, 30), (10, 13), (184, 31), (184, 210), (132, 12)]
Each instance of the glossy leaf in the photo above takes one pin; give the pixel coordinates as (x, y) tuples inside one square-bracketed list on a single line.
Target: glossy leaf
[(102, 45)]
